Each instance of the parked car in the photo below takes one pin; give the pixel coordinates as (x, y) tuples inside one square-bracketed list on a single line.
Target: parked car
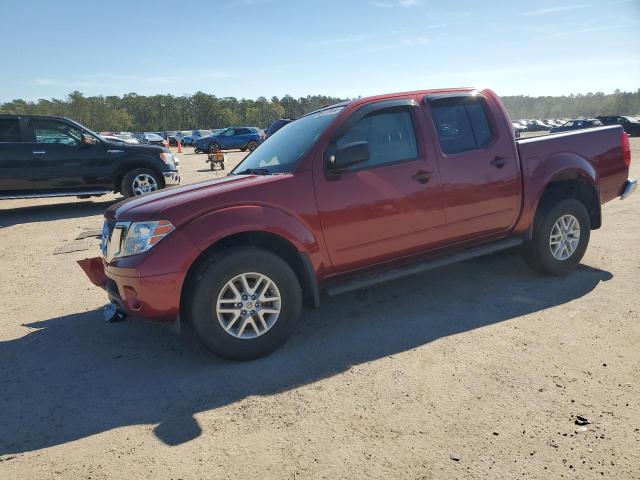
[(170, 137), (126, 137), (179, 136), (243, 138), (275, 126), (630, 124), (149, 138), (44, 156), (349, 196), (195, 135), (577, 124), (537, 126)]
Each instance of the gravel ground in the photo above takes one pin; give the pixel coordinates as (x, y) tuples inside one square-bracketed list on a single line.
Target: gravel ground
[(472, 371)]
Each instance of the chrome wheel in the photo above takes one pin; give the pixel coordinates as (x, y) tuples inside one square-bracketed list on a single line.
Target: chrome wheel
[(565, 237), (248, 305), (144, 183)]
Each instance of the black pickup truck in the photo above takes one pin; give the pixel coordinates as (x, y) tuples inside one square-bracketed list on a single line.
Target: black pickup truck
[(45, 156)]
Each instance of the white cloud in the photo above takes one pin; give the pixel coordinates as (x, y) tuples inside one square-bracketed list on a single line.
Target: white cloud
[(551, 10), (395, 3)]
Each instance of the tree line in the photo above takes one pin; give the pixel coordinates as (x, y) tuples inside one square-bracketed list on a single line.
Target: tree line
[(133, 112)]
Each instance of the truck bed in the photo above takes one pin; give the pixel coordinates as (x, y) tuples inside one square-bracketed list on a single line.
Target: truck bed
[(599, 147)]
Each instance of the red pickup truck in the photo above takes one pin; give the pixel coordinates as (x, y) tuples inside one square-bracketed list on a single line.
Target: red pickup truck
[(352, 195)]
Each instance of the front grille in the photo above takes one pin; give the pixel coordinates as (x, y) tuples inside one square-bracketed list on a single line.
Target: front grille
[(107, 230), (113, 234)]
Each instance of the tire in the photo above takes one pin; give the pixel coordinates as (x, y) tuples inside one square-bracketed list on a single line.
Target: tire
[(252, 145), (195, 150), (138, 176), (247, 340), (539, 252), (213, 147)]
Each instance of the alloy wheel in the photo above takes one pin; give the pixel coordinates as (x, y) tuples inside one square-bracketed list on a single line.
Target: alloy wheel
[(248, 305), (565, 237)]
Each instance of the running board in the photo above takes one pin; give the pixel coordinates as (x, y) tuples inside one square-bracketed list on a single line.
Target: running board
[(16, 196), (374, 279)]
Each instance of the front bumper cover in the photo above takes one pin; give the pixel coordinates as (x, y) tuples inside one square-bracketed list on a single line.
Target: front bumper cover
[(171, 178)]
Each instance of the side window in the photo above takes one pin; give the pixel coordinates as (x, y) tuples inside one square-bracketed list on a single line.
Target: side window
[(50, 131), (390, 136), (242, 131), (9, 130), (461, 125), (229, 133)]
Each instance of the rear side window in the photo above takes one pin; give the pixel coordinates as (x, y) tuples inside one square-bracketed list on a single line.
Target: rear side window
[(462, 125), (9, 130), (390, 136)]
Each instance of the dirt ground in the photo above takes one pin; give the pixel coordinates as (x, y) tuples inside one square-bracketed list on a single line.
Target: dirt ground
[(472, 371)]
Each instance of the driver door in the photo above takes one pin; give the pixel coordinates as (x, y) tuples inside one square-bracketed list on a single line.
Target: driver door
[(62, 162)]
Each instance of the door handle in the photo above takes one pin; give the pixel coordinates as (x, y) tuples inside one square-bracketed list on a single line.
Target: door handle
[(421, 176), (39, 152), (499, 162)]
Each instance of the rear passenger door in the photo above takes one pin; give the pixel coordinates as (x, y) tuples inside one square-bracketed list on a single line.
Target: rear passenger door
[(478, 165), (15, 157)]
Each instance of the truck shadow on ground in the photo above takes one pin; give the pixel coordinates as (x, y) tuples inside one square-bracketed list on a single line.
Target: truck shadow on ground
[(78, 376), (54, 211)]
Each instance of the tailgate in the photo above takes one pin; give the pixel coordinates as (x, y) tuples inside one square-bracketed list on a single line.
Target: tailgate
[(601, 147)]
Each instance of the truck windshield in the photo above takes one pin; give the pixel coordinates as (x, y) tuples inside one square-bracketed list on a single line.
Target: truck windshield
[(281, 151)]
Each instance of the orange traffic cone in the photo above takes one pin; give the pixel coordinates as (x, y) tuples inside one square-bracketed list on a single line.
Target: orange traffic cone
[(179, 147)]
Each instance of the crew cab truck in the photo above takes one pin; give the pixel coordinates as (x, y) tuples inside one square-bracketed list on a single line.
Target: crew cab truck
[(352, 195), (45, 156)]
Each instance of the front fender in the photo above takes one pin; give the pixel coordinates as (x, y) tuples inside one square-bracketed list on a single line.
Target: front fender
[(539, 173), (219, 224)]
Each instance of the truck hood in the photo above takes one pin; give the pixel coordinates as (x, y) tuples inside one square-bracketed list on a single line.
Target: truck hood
[(180, 204)]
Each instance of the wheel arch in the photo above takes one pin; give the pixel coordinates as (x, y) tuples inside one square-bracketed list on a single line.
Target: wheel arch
[(567, 175), (126, 167), (299, 261)]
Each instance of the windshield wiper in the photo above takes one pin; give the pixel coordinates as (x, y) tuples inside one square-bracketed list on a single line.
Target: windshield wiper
[(254, 171)]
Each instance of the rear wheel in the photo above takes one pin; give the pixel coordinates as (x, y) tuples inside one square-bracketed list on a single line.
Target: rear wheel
[(139, 181), (246, 303), (560, 237), (252, 145)]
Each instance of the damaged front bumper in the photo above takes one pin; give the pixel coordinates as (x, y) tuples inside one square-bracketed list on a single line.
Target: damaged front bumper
[(155, 298)]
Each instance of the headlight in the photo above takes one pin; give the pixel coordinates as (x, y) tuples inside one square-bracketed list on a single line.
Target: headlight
[(167, 158), (139, 237)]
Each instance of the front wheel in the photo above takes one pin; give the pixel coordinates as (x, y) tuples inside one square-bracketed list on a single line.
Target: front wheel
[(213, 147), (560, 238), (245, 304), (139, 181)]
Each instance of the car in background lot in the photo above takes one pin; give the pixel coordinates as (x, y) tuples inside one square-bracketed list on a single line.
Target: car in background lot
[(630, 124), (243, 138), (126, 137), (149, 138), (179, 136), (195, 135), (577, 124), (275, 126), (44, 156), (353, 195), (537, 126)]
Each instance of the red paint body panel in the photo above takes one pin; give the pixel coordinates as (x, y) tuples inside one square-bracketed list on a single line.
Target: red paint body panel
[(362, 220)]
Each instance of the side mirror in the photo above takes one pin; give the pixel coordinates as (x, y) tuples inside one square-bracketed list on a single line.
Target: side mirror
[(88, 140), (349, 155)]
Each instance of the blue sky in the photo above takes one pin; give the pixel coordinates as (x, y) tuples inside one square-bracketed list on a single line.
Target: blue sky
[(345, 48)]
